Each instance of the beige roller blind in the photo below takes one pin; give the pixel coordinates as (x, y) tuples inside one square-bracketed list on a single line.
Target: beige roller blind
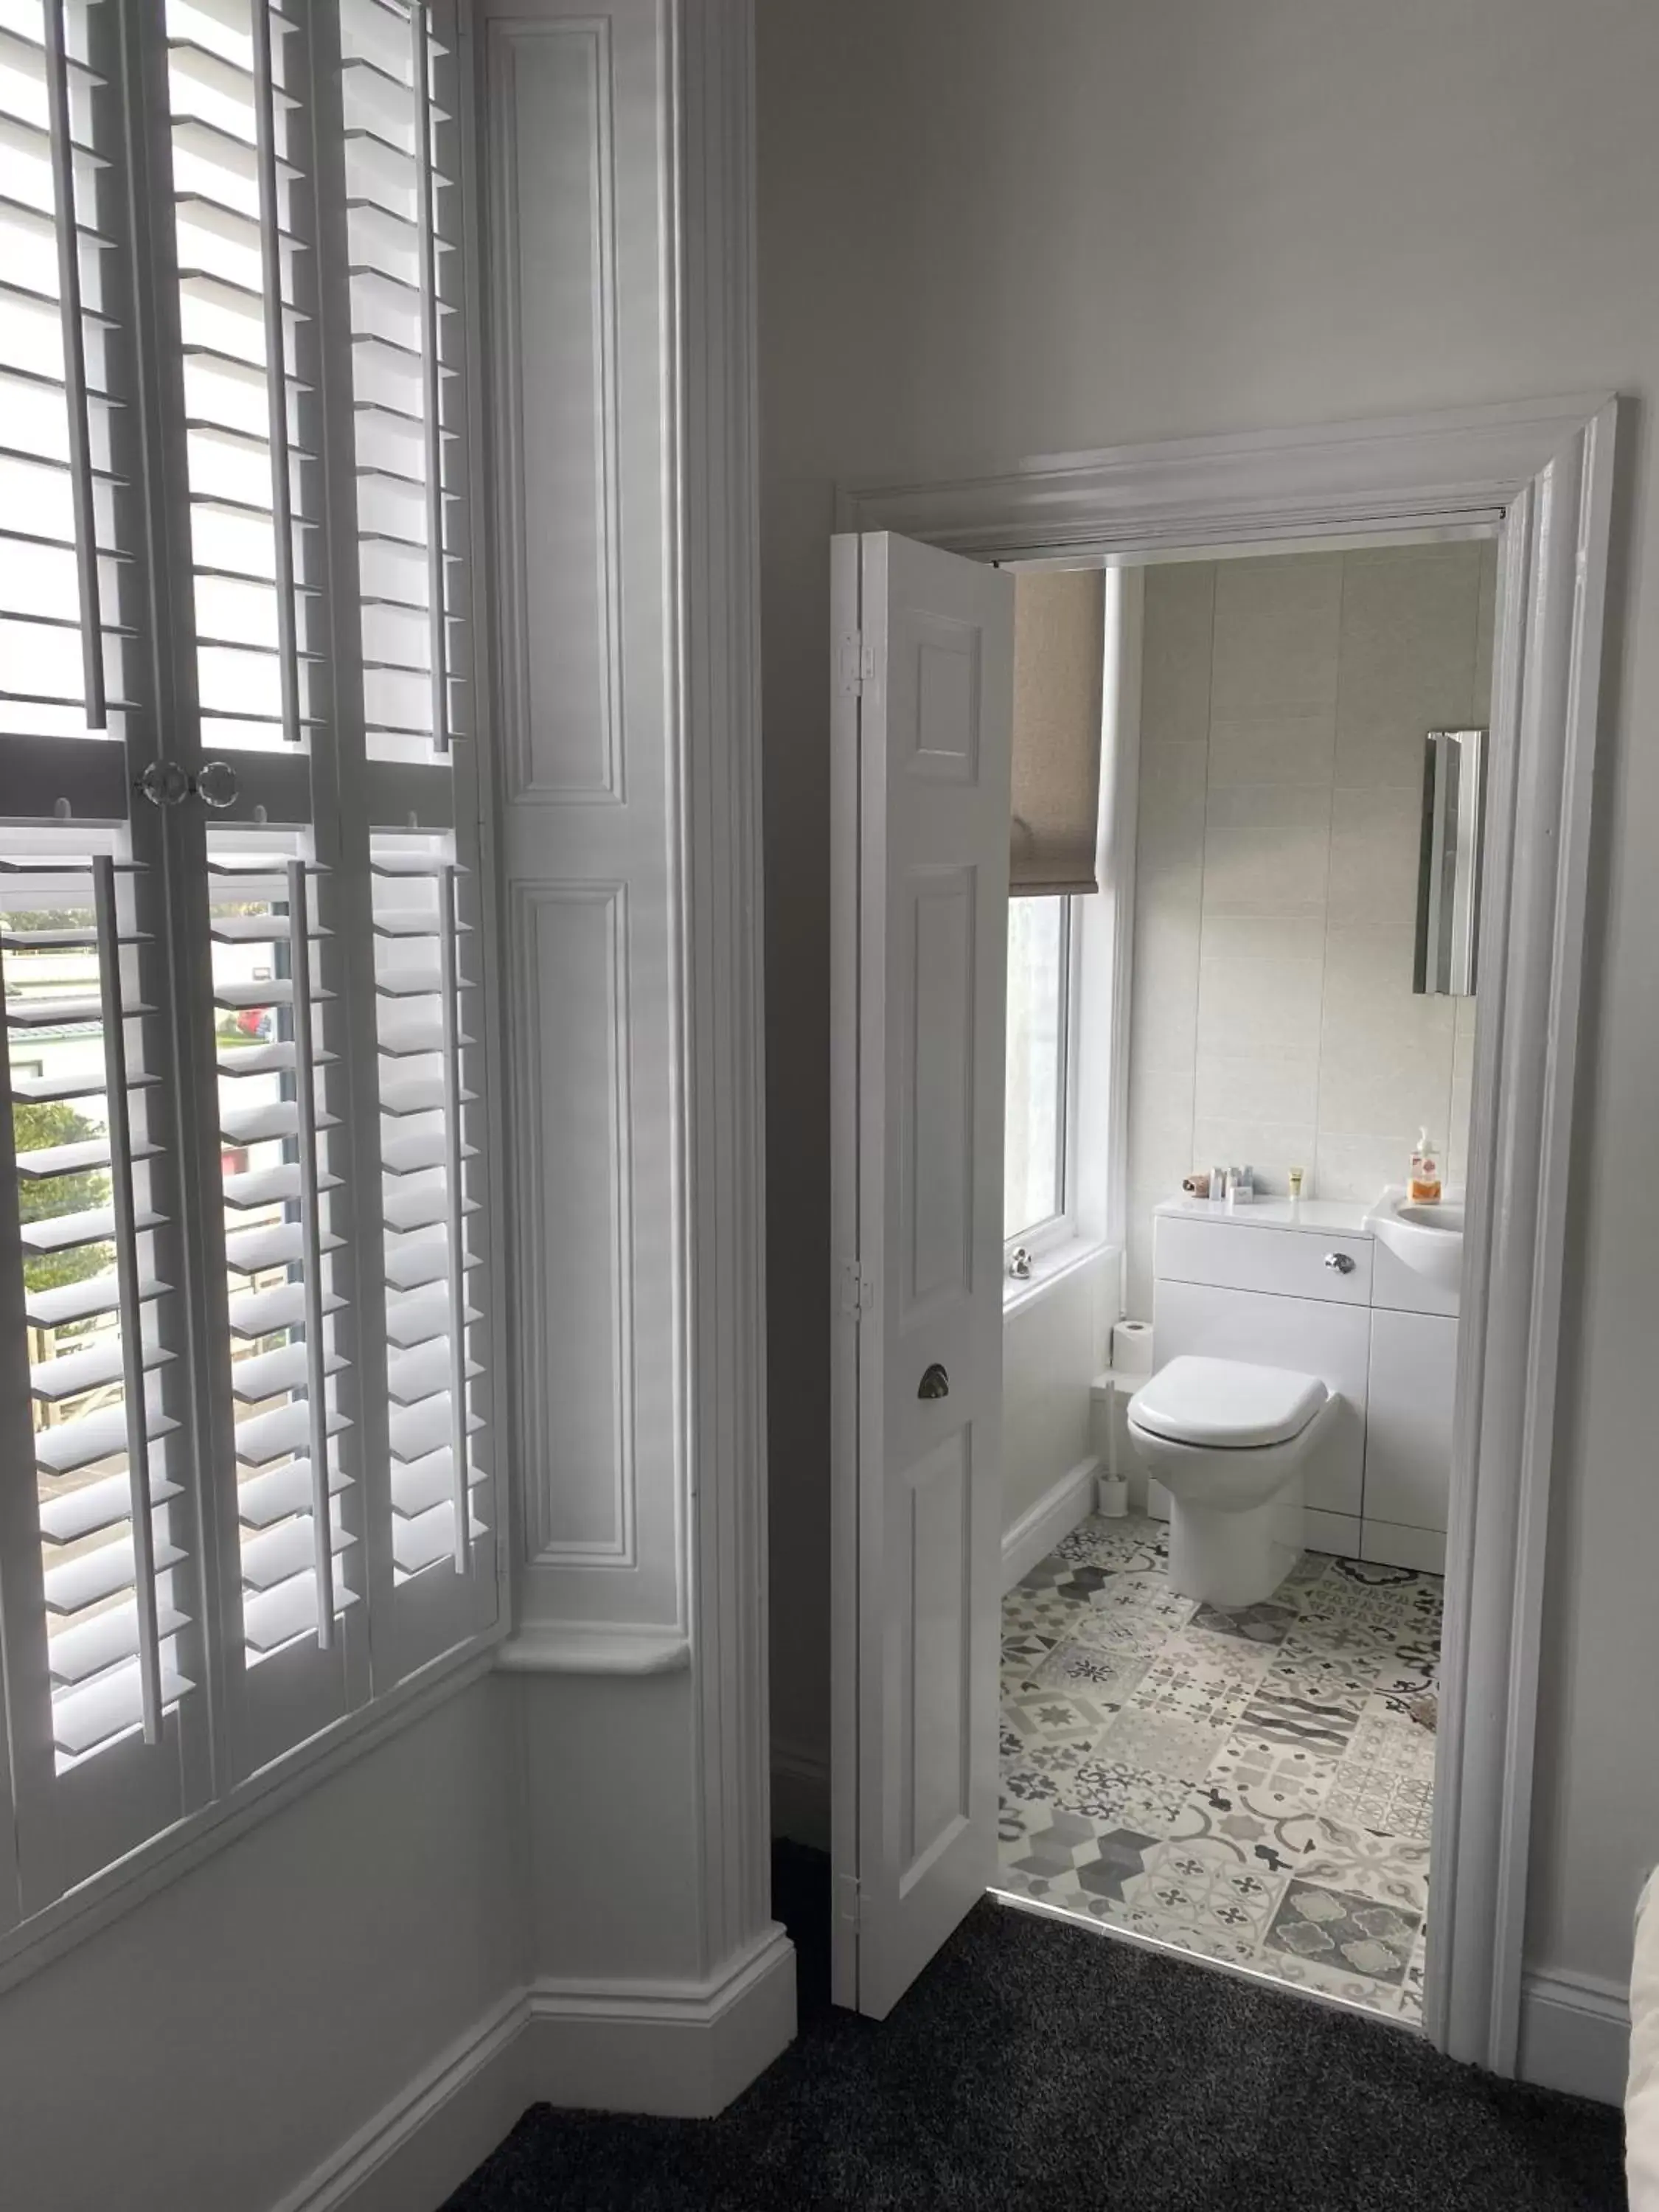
[(1060, 618)]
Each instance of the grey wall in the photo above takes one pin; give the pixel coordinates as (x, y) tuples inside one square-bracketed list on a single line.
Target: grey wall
[(1283, 702), (989, 231)]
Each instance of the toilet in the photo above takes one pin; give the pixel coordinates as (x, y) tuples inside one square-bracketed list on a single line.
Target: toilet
[(1228, 1440)]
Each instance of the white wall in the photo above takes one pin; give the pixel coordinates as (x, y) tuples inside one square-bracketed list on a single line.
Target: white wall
[(220, 2041), (1053, 1348), (1094, 222), (1283, 702)]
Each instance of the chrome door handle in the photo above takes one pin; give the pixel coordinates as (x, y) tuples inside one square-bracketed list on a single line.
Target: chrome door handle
[(1340, 1261), (935, 1384)]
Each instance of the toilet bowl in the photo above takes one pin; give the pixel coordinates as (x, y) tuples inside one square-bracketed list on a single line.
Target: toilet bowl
[(1228, 1440)]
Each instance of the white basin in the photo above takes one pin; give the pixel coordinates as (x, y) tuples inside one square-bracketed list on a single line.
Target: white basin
[(1428, 1239)]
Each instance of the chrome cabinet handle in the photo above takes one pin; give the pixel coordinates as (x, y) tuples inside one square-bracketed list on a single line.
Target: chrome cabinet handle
[(1340, 1262)]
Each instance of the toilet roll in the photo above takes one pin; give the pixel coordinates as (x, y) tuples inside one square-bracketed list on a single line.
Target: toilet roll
[(1132, 1348)]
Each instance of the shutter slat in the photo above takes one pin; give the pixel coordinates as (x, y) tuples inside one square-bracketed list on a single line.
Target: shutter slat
[(250, 1251), (67, 1232), (98, 1294), (263, 1500), (270, 1559), (414, 1261), (268, 1435), (276, 1617), (261, 1313), (413, 1316), (100, 1505), (68, 1446), (74, 1372), (416, 1430), (83, 1719), (428, 1537), (268, 1374), (421, 1484), (77, 1653), (98, 1575)]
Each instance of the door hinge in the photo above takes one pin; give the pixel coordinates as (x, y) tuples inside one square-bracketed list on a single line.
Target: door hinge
[(849, 1899), (855, 663), (857, 1290)]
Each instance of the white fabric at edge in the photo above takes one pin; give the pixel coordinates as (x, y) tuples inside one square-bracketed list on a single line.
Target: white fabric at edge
[(1641, 2093)]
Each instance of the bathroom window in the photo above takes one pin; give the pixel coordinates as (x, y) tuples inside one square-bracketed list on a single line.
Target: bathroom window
[(1039, 1057)]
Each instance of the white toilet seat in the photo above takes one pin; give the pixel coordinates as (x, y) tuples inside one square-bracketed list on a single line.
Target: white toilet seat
[(1225, 1404)]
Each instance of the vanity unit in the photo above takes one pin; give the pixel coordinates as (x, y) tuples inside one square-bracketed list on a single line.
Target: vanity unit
[(1364, 1298)]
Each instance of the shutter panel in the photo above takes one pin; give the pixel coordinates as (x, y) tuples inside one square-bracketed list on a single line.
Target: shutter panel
[(100, 1544), (263, 1473)]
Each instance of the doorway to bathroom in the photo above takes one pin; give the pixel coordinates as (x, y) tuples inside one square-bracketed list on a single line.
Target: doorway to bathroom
[(924, 644), (1227, 1754)]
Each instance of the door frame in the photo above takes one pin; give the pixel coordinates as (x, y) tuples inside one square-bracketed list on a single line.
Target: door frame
[(1542, 472)]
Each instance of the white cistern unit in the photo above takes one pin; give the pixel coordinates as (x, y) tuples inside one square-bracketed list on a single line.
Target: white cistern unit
[(1302, 1396)]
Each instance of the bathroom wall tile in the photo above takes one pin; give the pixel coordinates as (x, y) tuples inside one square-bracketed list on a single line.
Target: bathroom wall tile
[(1263, 937), (1385, 1052), (1160, 1128), (1252, 1009), (1272, 1148), (1174, 656), (1266, 871), (1375, 846), (1409, 619), (1358, 1169), (1276, 626), (1163, 987), (1268, 806), (1282, 748), (1256, 1090), (1170, 828)]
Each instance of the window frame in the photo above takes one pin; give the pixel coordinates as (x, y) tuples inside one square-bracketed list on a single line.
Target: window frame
[(1100, 945), (1040, 1236)]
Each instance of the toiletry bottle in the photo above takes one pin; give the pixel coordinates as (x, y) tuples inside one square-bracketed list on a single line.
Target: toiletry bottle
[(1296, 1177), (1424, 1186)]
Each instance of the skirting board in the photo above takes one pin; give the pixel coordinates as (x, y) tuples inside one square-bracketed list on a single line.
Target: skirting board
[(1575, 2035), (680, 2049), (1042, 1526)]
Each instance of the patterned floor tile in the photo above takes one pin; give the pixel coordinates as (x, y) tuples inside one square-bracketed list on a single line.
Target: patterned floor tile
[(1211, 1681), (1161, 1743), (1205, 1886), (1336, 1928), (1384, 1780), (1247, 1784), (1281, 1714), (1107, 1790), (1274, 1779), (1099, 1672), (1257, 1624)]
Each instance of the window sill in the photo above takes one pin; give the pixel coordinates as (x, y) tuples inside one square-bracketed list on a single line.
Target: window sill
[(1050, 1269)]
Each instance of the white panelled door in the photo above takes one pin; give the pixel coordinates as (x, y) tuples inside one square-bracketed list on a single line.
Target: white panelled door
[(923, 688)]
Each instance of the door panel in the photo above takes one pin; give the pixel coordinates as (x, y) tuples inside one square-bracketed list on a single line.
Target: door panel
[(923, 710)]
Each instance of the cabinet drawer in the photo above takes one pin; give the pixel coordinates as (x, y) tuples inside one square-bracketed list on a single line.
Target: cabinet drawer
[(1288, 1262)]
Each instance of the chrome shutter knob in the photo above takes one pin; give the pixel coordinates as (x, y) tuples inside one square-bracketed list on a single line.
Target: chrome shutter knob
[(216, 785), (1340, 1261)]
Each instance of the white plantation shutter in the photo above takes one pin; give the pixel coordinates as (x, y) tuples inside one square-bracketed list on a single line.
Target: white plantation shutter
[(244, 1444)]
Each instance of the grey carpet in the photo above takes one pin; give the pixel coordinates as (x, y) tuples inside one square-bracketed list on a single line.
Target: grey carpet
[(1042, 2065)]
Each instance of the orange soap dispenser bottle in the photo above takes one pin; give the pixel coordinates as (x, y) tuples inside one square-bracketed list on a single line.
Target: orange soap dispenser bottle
[(1425, 1186)]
